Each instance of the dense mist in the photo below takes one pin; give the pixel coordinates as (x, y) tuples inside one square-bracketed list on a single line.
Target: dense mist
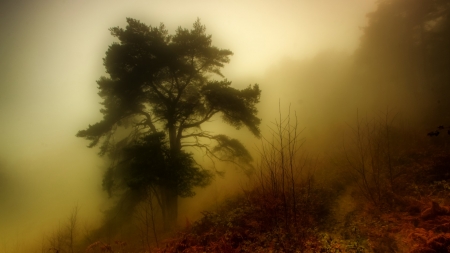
[(329, 66)]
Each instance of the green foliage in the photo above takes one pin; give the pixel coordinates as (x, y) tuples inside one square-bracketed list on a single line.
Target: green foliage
[(149, 162), (161, 81), (238, 107), (231, 149), (162, 78)]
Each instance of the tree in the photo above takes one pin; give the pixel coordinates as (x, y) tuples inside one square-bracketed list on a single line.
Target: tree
[(158, 94), (392, 44), (405, 45)]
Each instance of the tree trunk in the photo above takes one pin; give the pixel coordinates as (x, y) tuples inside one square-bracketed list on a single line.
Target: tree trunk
[(170, 206), (170, 189)]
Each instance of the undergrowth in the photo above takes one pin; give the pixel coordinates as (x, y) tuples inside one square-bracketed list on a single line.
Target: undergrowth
[(397, 200)]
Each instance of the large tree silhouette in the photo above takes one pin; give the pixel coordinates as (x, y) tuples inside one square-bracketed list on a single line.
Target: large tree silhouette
[(158, 94)]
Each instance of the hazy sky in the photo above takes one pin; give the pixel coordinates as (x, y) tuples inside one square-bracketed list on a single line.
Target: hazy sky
[(51, 55), (51, 51)]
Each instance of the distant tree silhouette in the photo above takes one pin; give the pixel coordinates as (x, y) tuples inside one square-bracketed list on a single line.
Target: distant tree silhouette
[(405, 45), (409, 38), (157, 96)]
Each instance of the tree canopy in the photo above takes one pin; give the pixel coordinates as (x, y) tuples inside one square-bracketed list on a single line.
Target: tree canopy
[(158, 93)]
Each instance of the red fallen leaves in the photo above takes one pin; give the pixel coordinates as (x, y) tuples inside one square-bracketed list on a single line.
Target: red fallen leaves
[(430, 242), (434, 211), (431, 234), (426, 231), (105, 247), (252, 224)]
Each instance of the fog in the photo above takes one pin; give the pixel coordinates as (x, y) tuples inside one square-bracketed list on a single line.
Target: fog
[(302, 53)]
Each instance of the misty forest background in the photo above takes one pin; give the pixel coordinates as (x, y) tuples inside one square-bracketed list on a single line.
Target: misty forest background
[(353, 156)]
